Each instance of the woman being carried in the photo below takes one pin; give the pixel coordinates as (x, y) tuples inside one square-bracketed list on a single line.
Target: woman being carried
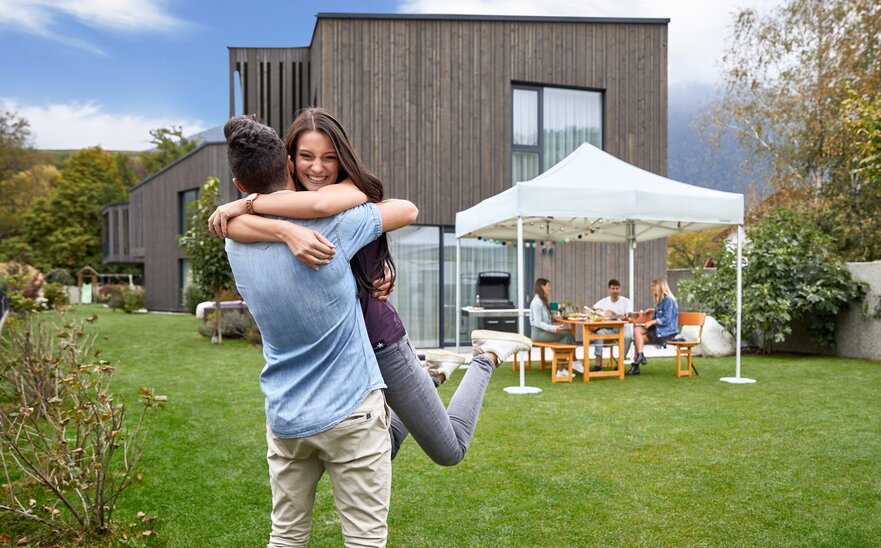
[(322, 157)]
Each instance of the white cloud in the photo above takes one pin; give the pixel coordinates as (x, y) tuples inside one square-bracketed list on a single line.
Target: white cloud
[(80, 125), (41, 17), (696, 35)]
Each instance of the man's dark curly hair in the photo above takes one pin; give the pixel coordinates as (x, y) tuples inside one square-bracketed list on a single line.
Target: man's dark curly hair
[(257, 156)]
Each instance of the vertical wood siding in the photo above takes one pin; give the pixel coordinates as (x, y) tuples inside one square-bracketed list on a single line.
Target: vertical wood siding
[(275, 83), (428, 105), (158, 197)]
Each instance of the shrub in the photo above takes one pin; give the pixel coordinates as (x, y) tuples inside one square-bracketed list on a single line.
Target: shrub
[(104, 293), (195, 294), (790, 273), (253, 335), (127, 299), (60, 276), (64, 430), (22, 285), (234, 324), (56, 295)]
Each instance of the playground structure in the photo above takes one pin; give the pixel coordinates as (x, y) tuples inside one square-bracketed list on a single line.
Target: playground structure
[(85, 288)]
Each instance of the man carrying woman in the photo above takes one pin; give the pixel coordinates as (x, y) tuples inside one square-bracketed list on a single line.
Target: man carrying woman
[(320, 365)]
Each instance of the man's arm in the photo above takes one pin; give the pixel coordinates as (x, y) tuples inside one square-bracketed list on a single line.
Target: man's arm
[(396, 214), (325, 202), (307, 245)]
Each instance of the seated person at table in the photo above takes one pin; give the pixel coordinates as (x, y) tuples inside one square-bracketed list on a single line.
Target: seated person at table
[(613, 307), (543, 328), (663, 326)]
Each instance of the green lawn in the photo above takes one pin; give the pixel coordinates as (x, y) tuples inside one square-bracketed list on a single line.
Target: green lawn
[(792, 460)]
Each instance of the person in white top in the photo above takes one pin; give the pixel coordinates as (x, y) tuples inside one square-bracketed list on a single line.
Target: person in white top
[(613, 307)]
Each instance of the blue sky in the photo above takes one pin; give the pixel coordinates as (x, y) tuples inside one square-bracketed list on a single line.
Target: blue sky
[(104, 72)]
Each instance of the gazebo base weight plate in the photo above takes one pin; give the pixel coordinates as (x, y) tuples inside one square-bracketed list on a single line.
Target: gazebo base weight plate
[(737, 380), (522, 390)]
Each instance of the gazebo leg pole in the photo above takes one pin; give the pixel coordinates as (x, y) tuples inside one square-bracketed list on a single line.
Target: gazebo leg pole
[(737, 379), (458, 291), (522, 389), (631, 249)]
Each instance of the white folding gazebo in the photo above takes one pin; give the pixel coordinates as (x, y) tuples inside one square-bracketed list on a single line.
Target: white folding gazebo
[(593, 194)]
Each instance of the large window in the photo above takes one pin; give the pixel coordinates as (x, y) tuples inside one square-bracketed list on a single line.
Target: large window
[(425, 294), (548, 124)]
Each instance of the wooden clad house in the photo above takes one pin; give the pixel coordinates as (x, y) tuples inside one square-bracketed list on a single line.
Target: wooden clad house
[(449, 110)]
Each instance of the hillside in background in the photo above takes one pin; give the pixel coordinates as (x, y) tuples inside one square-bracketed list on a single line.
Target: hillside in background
[(690, 158)]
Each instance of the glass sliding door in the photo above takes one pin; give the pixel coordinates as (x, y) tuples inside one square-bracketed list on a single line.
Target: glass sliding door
[(417, 295), (425, 293), (477, 256)]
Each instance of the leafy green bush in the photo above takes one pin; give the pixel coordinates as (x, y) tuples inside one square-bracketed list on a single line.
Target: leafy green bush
[(56, 295), (104, 293), (22, 285), (61, 427), (127, 299), (195, 294), (234, 324), (790, 273), (60, 276)]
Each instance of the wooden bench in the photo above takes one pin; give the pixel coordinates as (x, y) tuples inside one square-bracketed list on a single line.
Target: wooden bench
[(684, 348), (560, 353)]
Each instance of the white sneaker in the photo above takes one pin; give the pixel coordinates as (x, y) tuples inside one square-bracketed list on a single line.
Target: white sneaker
[(577, 367), (500, 343), (562, 373), (443, 362)]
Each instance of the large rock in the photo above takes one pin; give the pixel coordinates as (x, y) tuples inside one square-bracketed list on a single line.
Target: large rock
[(715, 340)]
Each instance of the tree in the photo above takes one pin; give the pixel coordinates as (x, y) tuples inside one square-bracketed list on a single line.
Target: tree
[(170, 145), (18, 192), (787, 75), (63, 230), (691, 249), (851, 207), (791, 273), (206, 253), (16, 153)]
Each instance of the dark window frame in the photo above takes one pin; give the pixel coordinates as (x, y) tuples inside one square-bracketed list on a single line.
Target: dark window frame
[(539, 147), (182, 208)]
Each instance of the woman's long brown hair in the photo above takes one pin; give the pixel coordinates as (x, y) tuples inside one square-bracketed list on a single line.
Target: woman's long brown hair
[(538, 289), (351, 167)]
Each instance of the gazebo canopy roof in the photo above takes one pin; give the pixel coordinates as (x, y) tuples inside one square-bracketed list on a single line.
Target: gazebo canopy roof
[(598, 197)]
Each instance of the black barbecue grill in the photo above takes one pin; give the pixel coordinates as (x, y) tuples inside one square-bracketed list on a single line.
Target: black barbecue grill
[(493, 293)]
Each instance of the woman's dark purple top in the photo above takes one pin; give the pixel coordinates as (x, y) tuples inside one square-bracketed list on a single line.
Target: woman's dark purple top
[(384, 326)]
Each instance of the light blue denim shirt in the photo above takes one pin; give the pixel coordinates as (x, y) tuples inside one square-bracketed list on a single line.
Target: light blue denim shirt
[(539, 316), (319, 363), (667, 316)]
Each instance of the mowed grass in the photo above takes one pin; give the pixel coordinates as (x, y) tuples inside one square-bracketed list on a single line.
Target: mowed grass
[(649, 461)]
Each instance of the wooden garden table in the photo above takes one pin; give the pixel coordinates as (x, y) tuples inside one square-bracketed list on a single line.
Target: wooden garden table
[(589, 334)]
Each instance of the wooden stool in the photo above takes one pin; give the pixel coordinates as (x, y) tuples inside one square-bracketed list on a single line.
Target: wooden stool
[(560, 353)]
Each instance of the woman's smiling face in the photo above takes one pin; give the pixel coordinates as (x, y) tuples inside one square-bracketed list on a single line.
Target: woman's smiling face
[(317, 163)]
